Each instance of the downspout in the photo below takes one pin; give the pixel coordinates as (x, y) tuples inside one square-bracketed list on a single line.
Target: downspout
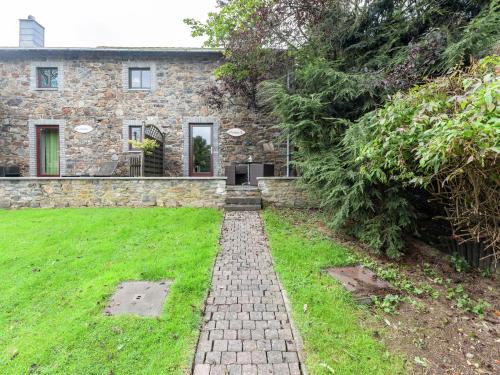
[(143, 135), (288, 135)]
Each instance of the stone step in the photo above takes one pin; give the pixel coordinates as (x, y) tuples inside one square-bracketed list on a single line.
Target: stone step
[(244, 200), (242, 191), (242, 207), (241, 188)]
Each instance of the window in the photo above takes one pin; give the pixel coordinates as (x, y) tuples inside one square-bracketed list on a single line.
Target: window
[(47, 78), (139, 78), (134, 134), (47, 147)]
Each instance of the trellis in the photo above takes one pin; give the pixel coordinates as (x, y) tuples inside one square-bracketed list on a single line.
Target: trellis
[(152, 163)]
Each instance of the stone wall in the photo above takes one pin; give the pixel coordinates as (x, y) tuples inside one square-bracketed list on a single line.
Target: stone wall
[(111, 192), (283, 192), (93, 92), (141, 192)]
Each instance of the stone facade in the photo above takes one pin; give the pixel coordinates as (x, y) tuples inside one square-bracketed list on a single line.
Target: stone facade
[(112, 192), (93, 91), (284, 192)]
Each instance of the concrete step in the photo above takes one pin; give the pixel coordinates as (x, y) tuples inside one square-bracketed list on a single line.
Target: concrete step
[(244, 200), (242, 191), (242, 207), (241, 188)]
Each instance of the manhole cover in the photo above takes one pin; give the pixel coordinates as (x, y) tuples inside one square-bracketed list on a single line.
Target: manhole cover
[(144, 298), (361, 282)]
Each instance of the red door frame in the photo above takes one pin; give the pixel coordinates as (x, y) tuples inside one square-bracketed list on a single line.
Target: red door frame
[(191, 169), (38, 166)]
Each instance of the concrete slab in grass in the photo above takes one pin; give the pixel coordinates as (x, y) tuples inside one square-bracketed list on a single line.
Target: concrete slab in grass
[(361, 282), (143, 298)]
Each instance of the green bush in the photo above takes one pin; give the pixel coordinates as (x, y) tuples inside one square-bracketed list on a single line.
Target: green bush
[(444, 136)]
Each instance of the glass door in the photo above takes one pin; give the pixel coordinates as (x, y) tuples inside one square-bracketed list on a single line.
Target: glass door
[(200, 150), (47, 150)]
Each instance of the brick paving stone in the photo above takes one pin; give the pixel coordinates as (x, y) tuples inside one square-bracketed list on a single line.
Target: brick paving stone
[(249, 370), (246, 328), (281, 369), (244, 358), (249, 345), (234, 370), (264, 345), (230, 334), (228, 358), (234, 345), (290, 357), (202, 370), (259, 357), (220, 345), (218, 370), (294, 368), (274, 357), (264, 369), (212, 358), (278, 345)]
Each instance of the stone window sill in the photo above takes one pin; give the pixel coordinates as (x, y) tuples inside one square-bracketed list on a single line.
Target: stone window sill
[(46, 89), (147, 90)]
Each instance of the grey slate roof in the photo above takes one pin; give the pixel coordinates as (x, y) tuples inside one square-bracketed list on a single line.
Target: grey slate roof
[(99, 52)]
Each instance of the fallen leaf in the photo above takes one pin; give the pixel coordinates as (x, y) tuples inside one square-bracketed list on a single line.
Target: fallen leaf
[(331, 370), (13, 353), (421, 361)]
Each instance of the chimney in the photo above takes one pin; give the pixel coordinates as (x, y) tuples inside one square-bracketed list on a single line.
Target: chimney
[(31, 33)]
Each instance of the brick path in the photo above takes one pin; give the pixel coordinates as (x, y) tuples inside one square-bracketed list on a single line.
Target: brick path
[(246, 325)]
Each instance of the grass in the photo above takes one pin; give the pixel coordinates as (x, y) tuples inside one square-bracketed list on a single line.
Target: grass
[(335, 341), (59, 267)]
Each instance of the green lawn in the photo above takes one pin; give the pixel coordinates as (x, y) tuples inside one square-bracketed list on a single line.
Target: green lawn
[(59, 267), (334, 340)]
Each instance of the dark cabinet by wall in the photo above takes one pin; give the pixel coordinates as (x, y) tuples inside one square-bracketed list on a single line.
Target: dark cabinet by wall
[(238, 174)]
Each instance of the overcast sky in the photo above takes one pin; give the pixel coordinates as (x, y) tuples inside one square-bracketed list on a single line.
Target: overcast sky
[(92, 23)]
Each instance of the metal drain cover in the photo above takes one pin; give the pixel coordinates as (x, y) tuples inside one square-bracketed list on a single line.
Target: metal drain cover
[(143, 298), (361, 282)]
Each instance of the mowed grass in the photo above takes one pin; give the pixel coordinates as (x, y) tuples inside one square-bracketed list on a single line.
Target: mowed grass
[(335, 342), (59, 267)]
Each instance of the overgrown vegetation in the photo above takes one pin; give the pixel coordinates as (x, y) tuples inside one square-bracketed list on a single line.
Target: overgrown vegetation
[(444, 136), (336, 73)]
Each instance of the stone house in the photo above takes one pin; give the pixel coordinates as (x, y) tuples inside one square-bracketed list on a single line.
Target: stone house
[(68, 111)]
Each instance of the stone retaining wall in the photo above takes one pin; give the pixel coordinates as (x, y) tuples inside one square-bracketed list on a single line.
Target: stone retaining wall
[(111, 192), (283, 192), (140, 192)]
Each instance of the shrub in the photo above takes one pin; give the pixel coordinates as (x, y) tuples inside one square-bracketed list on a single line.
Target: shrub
[(444, 136)]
